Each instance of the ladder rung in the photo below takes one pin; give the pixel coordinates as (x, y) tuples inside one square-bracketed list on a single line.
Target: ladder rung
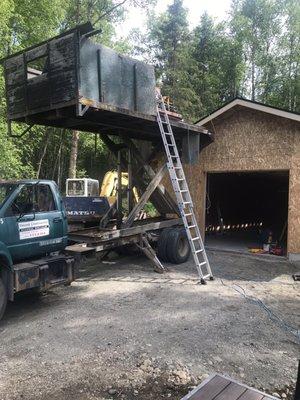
[(184, 191), (196, 238), (178, 167), (186, 202), (199, 251), (202, 263), (207, 276), (188, 214), (191, 226), (180, 179)]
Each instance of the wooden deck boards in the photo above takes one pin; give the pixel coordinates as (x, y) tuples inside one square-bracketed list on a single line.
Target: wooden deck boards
[(218, 387)]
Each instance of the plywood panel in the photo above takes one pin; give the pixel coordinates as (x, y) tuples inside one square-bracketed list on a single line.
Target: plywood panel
[(294, 199)]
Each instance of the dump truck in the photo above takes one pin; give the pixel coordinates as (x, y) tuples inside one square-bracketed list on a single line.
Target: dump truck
[(33, 236), (71, 82)]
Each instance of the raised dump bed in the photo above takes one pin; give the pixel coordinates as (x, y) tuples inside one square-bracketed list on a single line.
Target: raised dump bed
[(72, 82)]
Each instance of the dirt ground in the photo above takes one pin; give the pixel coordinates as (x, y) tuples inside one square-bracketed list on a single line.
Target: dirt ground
[(122, 331)]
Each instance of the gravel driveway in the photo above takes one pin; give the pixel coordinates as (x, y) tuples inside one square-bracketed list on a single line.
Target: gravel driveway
[(123, 331)]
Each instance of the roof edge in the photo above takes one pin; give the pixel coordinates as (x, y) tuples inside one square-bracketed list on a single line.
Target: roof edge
[(280, 112)]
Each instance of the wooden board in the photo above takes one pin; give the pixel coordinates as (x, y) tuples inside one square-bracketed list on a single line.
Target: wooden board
[(218, 387)]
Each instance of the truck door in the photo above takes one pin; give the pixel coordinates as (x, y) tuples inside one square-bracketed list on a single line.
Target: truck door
[(34, 222)]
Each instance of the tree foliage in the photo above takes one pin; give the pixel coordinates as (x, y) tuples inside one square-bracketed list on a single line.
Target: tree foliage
[(45, 152), (254, 53)]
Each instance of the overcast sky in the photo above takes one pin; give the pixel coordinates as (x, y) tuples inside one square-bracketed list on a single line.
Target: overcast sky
[(136, 18)]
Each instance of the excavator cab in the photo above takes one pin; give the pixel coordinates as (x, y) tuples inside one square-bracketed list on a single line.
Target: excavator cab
[(83, 187)]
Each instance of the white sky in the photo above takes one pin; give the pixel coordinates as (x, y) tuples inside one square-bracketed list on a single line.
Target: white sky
[(136, 18)]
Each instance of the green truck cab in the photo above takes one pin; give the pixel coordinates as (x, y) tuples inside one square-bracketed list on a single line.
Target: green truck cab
[(33, 235)]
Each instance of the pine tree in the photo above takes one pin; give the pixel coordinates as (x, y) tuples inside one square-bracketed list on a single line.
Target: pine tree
[(217, 60), (168, 39), (256, 25)]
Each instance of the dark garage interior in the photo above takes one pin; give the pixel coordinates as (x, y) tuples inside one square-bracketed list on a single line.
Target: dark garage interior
[(247, 210)]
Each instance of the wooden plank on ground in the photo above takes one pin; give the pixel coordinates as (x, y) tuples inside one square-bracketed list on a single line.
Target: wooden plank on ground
[(251, 395), (218, 387), (232, 391), (212, 389)]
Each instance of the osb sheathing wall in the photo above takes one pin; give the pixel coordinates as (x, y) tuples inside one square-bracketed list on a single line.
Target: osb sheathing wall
[(248, 140)]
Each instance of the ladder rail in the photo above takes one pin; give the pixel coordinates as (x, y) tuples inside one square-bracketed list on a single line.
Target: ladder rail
[(182, 193)]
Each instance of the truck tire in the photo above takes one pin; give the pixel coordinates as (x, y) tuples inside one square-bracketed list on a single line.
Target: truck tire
[(162, 245), (3, 298), (178, 247)]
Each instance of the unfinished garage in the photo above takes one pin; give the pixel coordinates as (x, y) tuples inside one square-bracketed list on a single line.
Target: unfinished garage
[(247, 211), (246, 184)]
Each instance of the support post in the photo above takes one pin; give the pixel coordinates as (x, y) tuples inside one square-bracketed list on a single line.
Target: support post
[(119, 192), (130, 185), (146, 248)]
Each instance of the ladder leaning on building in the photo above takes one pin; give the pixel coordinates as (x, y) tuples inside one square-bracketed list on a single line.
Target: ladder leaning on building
[(182, 193)]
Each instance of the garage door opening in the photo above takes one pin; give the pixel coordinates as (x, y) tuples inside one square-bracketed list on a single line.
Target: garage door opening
[(247, 211)]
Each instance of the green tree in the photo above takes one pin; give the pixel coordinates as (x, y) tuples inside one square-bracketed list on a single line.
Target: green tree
[(167, 39), (256, 24), (218, 65), (21, 24), (45, 152), (286, 72)]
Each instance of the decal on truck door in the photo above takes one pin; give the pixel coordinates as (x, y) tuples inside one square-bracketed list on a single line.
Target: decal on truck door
[(33, 229)]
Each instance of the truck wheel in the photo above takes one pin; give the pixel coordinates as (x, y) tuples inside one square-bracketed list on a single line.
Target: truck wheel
[(162, 244), (3, 298), (178, 247)]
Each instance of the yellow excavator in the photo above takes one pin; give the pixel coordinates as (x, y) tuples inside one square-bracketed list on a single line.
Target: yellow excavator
[(109, 186)]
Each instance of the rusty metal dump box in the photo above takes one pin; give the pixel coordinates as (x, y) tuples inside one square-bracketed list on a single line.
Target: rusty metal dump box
[(72, 82)]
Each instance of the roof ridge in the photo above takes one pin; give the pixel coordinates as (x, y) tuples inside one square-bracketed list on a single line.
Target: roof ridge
[(255, 105)]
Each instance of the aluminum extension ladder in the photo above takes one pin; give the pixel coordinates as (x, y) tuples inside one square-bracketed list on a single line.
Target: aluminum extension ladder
[(183, 196)]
